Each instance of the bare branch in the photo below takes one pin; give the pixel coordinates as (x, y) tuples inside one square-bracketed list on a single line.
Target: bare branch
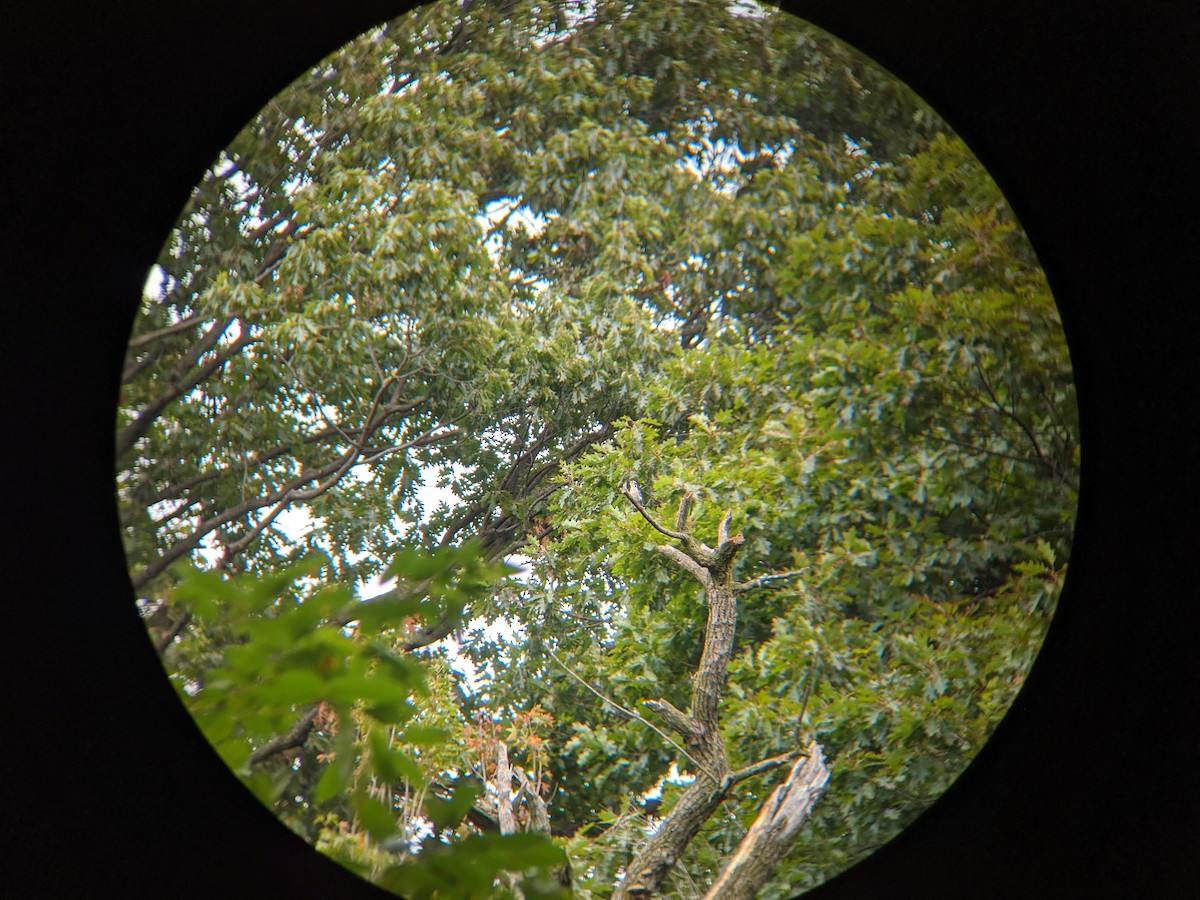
[(686, 504), (772, 834), (504, 804), (652, 862), (678, 720), (763, 765), (765, 580), (431, 437), (726, 551), (686, 563), (723, 528), (153, 336), (637, 504), (539, 815), (441, 629), (233, 549)]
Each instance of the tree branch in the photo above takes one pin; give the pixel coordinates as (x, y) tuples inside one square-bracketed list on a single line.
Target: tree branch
[(1041, 461), (189, 543), (181, 385), (628, 494), (726, 551), (329, 475), (258, 458), (486, 507), (416, 641), (1041, 458), (539, 815), (153, 336), (676, 719), (504, 804), (764, 581), (650, 865), (763, 765), (686, 563), (723, 529), (686, 503), (169, 637), (294, 738)]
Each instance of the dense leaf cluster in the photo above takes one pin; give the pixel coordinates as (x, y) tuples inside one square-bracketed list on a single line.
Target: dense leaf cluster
[(526, 253)]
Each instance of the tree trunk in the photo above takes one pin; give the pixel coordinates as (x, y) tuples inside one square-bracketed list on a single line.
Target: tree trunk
[(700, 726)]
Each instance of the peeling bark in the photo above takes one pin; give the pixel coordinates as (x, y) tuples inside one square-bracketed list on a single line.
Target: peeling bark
[(768, 840), (504, 804)]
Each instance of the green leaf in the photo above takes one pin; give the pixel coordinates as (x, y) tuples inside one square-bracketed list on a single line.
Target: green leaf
[(449, 812), (469, 868), (425, 735), (377, 819), (295, 687), (330, 784)]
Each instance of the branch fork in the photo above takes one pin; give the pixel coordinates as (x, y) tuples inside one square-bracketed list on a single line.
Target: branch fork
[(706, 564)]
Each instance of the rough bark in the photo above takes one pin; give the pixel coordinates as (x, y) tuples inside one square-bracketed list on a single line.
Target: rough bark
[(504, 804)]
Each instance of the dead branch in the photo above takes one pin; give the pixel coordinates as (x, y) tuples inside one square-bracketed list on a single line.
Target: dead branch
[(628, 493), (686, 563), (504, 804), (765, 580), (676, 719), (763, 765), (539, 815), (772, 834), (713, 569)]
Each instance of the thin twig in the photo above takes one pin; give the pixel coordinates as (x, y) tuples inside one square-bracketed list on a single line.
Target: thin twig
[(151, 337), (764, 580), (632, 715)]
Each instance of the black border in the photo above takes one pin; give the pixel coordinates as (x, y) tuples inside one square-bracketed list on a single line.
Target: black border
[(1082, 111)]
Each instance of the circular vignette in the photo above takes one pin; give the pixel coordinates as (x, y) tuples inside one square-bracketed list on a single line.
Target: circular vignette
[(565, 288)]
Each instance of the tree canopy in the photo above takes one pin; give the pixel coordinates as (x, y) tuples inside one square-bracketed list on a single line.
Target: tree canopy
[(593, 287)]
